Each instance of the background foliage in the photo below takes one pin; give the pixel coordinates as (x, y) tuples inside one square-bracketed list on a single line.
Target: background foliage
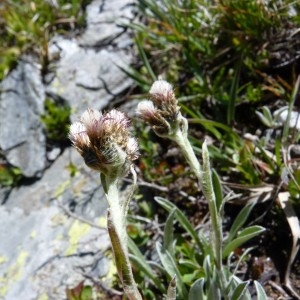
[(234, 66)]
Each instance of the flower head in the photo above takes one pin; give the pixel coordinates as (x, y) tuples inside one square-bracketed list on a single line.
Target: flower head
[(161, 91), (104, 140), (162, 112), (78, 136)]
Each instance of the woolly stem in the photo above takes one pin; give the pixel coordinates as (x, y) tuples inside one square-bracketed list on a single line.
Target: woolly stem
[(181, 138), (116, 223), (216, 228)]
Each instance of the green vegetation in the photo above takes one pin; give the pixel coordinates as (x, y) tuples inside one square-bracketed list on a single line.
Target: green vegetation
[(57, 121), (27, 26), (234, 66), (9, 175)]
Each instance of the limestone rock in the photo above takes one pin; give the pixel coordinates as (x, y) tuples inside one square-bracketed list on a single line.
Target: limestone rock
[(44, 240), (88, 72), (40, 255), (21, 132), (85, 78), (113, 14), (46, 244)]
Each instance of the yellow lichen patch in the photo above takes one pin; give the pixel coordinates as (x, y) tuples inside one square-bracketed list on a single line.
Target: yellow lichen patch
[(3, 287), (33, 234), (14, 273), (61, 188), (44, 296), (16, 270), (3, 259), (76, 232), (102, 222), (112, 272)]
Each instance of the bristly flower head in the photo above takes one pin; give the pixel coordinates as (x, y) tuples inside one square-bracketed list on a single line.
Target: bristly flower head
[(162, 112), (104, 141)]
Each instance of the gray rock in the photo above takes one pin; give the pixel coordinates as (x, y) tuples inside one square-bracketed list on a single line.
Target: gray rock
[(21, 104), (46, 245), (112, 15), (43, 251), (53, 153), (281, 116), (81, 191), (89, 75), (49, 242), (85, 78)]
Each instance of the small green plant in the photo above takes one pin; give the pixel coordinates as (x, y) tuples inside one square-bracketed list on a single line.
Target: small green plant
[(106, 146), (233, 63), (56, 120), (80, 292), (9, 175), (28, 26)]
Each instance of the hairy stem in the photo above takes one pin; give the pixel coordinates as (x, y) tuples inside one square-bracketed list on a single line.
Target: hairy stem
[(216, 219), (116, 223), (181, 138)]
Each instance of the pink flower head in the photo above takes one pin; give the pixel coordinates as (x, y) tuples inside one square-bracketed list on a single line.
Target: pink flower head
[(162, 112), (79, 137), (161, 91), (163, 97), (104, 140)]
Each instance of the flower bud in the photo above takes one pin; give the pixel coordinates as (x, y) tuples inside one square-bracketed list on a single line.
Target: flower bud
[(161, 91), (104, 141), (162, 112)]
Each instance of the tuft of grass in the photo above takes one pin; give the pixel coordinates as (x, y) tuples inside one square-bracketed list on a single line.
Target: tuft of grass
[(9, 175), (228, 58), (27, 26), (57, 121), (198, 45), (234, 64)]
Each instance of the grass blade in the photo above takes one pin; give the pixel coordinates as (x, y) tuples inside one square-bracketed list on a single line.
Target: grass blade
[(182, 219), (244, 236)]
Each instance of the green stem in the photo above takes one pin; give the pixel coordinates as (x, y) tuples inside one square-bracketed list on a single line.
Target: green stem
[(216, 219), (205, 182), (116, 223), (181, 138)]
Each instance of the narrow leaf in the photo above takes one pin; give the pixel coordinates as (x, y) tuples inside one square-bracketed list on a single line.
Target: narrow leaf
[(293, 221), (267, 113), (213, 291), (244, 236), (261, 294), (170, 266), (168, 233), (182, 219), (140, 261), (239, 221), (287, 122), (196, 291), (171, 292), (233, 94), (240, 291), (103, 182), (144, 58), (208, 268)]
